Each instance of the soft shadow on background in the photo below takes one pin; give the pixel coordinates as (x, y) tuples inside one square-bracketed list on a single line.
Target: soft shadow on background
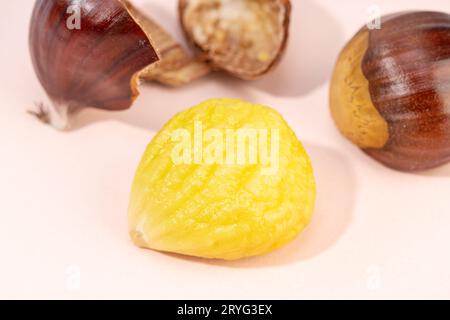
[(315, 41), (441, 172), (336, 187), (157, 104), (167, 18)]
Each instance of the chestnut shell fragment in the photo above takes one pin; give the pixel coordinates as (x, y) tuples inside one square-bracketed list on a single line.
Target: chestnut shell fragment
[(96, 65), (245, 38)]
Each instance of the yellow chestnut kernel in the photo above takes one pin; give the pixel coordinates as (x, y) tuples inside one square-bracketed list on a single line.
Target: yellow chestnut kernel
[(200, 190)]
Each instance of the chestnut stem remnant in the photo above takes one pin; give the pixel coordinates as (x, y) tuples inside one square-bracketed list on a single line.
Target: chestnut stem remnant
[(41, 112), (390, 92)]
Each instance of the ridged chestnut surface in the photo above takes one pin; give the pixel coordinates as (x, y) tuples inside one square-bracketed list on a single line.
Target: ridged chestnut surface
[(96, 65), (245, 38), (390, 92), (206, 202)]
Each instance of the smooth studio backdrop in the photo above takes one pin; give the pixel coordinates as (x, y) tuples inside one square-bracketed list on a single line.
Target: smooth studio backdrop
[(376, 233)]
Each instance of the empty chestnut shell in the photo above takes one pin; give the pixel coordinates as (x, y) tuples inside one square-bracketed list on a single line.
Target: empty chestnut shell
[(245, 38), (390, 91), (99, 62)]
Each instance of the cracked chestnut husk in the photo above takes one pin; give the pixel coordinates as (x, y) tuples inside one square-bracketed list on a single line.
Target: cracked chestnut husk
[(92, 53), (390, 91), (245, 38), (99, 62)]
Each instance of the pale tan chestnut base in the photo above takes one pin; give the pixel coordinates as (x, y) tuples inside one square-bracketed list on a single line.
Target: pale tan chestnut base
[(350, 102)]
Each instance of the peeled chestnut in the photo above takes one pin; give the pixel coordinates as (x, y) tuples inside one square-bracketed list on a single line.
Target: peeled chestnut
[(92, 53), (245, 38), (390, 91)]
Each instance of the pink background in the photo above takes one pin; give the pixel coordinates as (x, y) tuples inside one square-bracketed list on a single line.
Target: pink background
[(376, 233)]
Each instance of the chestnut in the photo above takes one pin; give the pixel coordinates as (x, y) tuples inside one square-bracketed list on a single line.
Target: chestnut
[(245, 38), (95, 59), (92, 53), (390, 91)]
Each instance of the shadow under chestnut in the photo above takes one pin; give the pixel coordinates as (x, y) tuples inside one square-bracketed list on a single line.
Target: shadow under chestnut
[(157, 104), (314, 43), (333, 215), (441, 172)]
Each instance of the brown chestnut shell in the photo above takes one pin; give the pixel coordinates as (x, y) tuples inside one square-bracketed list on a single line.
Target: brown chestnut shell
[(95, 65), (406, 66)]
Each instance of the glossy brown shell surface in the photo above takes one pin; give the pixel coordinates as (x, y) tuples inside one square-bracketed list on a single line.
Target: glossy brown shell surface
[(95, 65), (407, 65)]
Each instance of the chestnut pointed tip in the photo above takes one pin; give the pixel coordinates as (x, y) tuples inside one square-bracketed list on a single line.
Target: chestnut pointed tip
[(55, 116)]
